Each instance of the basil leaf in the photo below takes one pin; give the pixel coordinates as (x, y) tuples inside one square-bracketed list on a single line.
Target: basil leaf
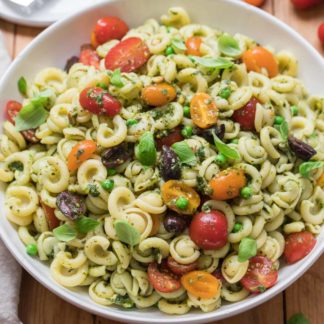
[(178, 44), (229, 46), (30, 117), (212, 62), (116, 79), (86, 224), (44, 99), (124, 301), (127, 233), (22, 86), (225, 149), (306, 167), (145, 150), (184, 152), (247, 249), (298, 318), (65, 233), (284, 130)]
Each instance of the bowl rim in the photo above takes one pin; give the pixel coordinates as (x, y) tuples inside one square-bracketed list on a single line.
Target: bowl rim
[(104, 311)]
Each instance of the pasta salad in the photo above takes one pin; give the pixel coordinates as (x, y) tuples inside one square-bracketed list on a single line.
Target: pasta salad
[(170, 165)]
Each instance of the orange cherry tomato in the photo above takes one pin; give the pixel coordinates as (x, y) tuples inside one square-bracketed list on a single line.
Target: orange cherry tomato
[(320, 180), (79, 153), (203, 110), (174, 189), (201, 284), (52, 220), (227, 184), (257, 58), (156, 219), (158, 94), (257, 3), (193, 45), (94, 41)]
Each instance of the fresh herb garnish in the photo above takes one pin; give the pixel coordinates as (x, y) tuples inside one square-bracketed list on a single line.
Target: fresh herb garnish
[(126, 233), (116, 79), (22, 86), (306, 167), (93, 190), (178, 44), (283, 129), (298, 318), (212, 62), (124, 301), (226, 150), (16, 166), (85, 224), (185, 153), (65, 233), (247, 249), (145, 150), (229, 46)]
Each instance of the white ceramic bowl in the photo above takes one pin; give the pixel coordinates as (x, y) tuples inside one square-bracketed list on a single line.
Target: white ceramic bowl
[(63, 39)]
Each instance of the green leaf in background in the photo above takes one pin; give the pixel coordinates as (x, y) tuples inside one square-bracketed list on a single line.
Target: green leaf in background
[(184, 152), (178, 44), (247, 249), (145, 150), (212, 62), (116, 79), (65, 233), (298, 318), (127, 233), (30, 117), (226, 150), (306, 167), (22, 86), (229, 46), (85, 224)]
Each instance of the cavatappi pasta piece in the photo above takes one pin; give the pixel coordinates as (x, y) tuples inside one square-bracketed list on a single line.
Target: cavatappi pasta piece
[(207, 263), (233, 293), (184, 250), (173, 308), (233, 270), (53, 78), (151, 202), (101, 292), (119, 199), (206, 305), (312, 208)]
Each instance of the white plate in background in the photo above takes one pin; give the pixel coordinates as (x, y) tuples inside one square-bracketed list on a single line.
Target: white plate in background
[(48, 13)]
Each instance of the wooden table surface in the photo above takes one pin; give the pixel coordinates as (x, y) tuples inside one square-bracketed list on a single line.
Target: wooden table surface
[(39, 306)]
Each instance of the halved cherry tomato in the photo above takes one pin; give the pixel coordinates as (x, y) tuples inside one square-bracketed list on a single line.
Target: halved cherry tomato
[(173, 137), (260, 275), (109, 28), (99, 102), (174, 189), (320, 33), (203, 110), (88, 56), (320, 180), (180, 269), (12, 109), (193, 45), (162, 281), (158, 94), (257, 58), (298, 245), (227, 184), (305, 4), (209, 230), (257, 3), (245, 116), (129, 55), (79, 153), (52, 220), (201, 284), (156, 219)]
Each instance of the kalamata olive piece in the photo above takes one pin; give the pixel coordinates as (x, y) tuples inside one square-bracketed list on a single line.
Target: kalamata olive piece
[(170, 164), (174, 223), (207, 133), (71, 61), (117, 155), (300, 148), (70, 204)]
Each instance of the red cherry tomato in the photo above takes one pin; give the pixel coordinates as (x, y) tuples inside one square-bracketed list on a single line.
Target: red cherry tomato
[(209, 230), (52, 220), (129, 55), (245, 116), (305, 4), (88, 56), (180, 269), (260, 275), (162, 281), (321, 33), (298, 245), (109, 28), (99, 102), (173, 137)]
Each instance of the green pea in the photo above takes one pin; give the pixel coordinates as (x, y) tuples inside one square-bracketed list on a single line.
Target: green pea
[(186, 111), (294, 110), (169, 51), (246, 192), (237, 227), (102, 85), (186, 131), (108, 184), (225, 93), (182, 203), (278, 120), (111, 171), (131, 122), (31, 249), (234, 141), (221, 159)]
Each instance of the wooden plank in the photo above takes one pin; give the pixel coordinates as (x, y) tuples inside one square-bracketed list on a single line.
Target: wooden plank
[(24, 36), (38, 305), (8, 30), (307, 295)]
